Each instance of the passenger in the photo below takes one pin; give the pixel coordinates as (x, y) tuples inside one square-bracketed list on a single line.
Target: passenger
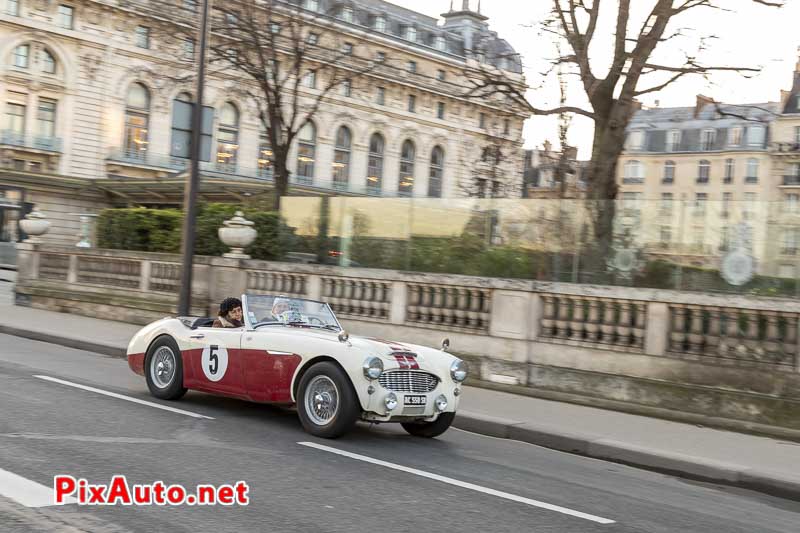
[(230, 314)]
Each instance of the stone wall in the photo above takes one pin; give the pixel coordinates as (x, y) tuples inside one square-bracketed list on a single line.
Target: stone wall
[(729, 357)]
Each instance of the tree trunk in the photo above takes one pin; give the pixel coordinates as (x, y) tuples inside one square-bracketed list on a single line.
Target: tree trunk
[(281, 176), (609, 142)]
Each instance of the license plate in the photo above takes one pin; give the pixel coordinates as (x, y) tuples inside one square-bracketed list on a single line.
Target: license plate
[(415, 400)]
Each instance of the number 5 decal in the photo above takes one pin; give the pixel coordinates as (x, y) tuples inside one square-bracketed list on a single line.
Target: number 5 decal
[(214, 362)]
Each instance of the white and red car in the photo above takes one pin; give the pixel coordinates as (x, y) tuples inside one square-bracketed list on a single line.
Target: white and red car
[(294, 351)]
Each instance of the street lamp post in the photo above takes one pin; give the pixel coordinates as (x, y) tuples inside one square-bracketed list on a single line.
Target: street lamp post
[(193, 181)]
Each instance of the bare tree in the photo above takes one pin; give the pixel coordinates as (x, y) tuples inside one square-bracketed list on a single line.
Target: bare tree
[(613, 99), (288, 61), (491, 173)]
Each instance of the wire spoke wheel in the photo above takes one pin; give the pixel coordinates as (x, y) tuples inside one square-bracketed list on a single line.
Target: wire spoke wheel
[(162, 367), (322, 400)]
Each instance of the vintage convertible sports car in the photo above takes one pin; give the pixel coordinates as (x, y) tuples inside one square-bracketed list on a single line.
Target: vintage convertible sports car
[(294, 351)]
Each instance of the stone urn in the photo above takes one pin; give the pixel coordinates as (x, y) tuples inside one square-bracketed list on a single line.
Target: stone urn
[(238, 233), (35, 224)]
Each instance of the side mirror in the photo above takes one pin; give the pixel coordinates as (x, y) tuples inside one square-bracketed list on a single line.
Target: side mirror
[(445, 345), (343, 336)]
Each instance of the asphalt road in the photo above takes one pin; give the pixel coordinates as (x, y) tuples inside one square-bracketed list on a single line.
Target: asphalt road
[(49, 428)]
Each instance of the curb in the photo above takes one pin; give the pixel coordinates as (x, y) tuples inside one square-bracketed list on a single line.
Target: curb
[(686, 466), (773, 483), (79, 344)]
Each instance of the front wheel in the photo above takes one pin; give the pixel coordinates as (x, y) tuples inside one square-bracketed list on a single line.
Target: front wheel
[(430, 429), (327, 404), (163, 369)]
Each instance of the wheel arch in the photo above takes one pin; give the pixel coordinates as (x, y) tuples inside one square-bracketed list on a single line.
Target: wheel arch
[(311, 362)]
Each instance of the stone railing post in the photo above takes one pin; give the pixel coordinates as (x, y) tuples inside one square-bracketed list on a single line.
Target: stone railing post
[(314, 287), (535, 322), (72, 272), (144, 276), (399, 299), (28, 256), (657, 329)]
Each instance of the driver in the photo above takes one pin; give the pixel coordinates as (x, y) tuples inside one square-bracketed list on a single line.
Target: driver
[(282, 311)]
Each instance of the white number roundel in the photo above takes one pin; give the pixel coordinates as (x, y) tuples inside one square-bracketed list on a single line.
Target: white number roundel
[(214, 362)]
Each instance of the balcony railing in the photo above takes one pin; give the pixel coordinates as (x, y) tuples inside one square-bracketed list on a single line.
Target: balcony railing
[(791, 180), (751, 179), (632, 180), (35, 142), (785, 147), (147, 159)]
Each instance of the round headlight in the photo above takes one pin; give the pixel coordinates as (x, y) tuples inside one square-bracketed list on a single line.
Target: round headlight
[(458, 370), (390, 401), (441, 403), (373, 367)]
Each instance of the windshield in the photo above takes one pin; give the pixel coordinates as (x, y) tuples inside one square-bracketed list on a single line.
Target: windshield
[(270, 310)]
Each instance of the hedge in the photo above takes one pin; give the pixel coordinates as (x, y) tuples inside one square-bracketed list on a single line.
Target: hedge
[(159, 230)]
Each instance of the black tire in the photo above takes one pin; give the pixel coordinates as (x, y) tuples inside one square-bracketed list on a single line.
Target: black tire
[(430, 429), (347, 410), (173, 389)]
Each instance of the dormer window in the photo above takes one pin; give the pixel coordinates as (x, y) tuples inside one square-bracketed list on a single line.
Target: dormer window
[(312, 5), (380, 24), (411, 33), (440, 43), (346, 14)]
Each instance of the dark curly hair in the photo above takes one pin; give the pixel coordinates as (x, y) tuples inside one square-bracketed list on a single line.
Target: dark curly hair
[(228, 305)]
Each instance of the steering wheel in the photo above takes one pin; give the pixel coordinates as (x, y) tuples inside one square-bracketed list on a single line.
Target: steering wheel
[(316, 321)]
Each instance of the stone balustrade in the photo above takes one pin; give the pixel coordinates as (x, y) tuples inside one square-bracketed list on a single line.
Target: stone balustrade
[(509, 318), (449, 307), (594, 322), (732, 335), (357, 298)]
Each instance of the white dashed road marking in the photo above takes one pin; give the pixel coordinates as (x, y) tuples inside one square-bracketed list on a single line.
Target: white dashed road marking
[(123, 397), (462, 484)]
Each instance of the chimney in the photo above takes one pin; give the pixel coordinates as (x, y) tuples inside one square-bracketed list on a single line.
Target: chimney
[(702, 101), (547, 147), (658, 103)]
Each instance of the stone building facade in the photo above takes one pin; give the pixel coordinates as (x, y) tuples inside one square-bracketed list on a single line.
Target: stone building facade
[(700, 181), (87, 118)]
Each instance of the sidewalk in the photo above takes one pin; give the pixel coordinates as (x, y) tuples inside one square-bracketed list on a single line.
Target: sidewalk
[(759, 463)]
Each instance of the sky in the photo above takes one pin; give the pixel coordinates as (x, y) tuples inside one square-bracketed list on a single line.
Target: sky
[(747, 34)]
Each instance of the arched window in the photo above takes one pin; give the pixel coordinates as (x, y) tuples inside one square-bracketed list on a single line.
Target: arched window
[(228, 137), (48, 62), (306, 152), (185, 97), (375, 164), (22, 56), (341, 158), (265, 156), (669, 172), (407, 156), (703, 171), (137, 119), (436, 173)]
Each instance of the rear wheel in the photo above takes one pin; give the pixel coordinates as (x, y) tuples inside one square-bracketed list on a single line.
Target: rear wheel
[(327, 404), (164, 369), (430, 429)]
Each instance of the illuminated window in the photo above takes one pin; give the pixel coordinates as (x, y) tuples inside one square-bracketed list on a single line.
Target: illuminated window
[(375, 164), (228, 137), (408, 155), (341, 158), (306, 151), (137, 118), (436, 173)]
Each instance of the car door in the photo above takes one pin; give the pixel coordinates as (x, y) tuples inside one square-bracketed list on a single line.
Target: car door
[(214, 362), (270, 362)]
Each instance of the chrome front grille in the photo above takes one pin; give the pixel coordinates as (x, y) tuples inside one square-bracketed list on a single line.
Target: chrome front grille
[(408, 381)]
